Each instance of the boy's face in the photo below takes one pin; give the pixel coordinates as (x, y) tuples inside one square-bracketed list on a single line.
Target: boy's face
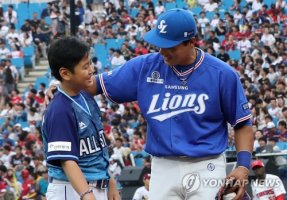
[(82, 77)]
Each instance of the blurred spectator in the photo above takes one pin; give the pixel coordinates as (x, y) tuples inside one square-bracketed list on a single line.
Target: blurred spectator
[(4, 51), (26, 162), (20, 114), (261, 189), (33, 117), (42, 185), (14, 187), (119, 150), (211, 6), (117, 59), (18, 157), (35, 21), (14, 71), (28, 187), (26, 27), (213, 41), (30, 100), (10, 15), (97, 64), (267, 38), (159, 8), (46, 30), (282, 127), (215, 21), (7, 155), (202, 23), (26, 39), (258, 135), (2, 18), (229, 44), (274, 110), (142, 192), (262, 145), (222, 55), (12, 34), (46, 12), (140, 49), (7, 111), (256, 5), (244, 45)]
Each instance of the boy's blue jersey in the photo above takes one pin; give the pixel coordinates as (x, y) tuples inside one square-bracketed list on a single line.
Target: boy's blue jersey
[(183, 119), (73, 133)]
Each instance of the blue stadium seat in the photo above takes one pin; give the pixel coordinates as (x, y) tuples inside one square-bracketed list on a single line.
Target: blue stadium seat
[(120, 42), (48, 20), (196, 10), (24, 124), (210, 15), (100, 49), (19, 64), (29, 56), (42, 79), (42, 6), (243, 3), (34, 8), (155, 2), (235, 54), (24, 10), (181, 4), (169, 5), (134, 12), (221, 38), (269, 2), (114, 43), (227, 4)]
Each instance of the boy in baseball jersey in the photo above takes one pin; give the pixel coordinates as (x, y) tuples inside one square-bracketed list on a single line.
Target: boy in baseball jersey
[(266, 186), (75, 147)]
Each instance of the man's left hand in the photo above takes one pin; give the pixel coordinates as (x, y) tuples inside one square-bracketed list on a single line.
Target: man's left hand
[(240, 175)]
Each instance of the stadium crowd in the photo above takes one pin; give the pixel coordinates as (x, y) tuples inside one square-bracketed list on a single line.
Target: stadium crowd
[(250, 35)]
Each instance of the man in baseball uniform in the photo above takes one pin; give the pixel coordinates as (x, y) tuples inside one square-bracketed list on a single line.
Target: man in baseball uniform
[(142, 192), (266, 186)]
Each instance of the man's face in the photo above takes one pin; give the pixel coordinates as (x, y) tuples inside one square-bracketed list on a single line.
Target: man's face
[(259, 172), (179, 55)]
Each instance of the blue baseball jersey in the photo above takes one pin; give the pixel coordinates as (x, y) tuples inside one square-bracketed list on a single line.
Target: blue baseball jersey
[(183, 119), (74, 132)]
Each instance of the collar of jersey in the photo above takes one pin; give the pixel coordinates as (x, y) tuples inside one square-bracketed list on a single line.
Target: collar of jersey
[(199, 59)]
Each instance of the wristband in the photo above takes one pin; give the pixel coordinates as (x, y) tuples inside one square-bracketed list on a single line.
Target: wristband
[(244, 159), (84, 193)]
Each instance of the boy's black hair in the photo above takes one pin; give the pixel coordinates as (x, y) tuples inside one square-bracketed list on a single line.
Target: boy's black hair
[(66, 52)]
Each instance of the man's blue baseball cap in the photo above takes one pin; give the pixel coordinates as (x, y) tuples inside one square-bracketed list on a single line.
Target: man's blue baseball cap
[(172, 28)]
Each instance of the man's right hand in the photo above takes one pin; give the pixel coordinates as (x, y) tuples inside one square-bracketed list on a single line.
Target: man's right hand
[(50, 94)]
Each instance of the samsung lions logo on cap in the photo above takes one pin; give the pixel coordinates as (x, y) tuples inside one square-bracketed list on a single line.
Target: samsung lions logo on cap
[(162, 26)]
